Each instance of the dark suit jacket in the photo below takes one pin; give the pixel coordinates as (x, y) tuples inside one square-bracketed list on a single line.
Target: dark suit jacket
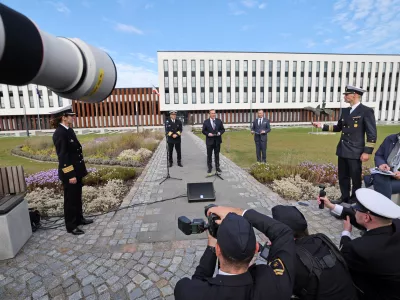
[(257, 129), (173, 128), (374, 262), (69, 152), (382, 155), (354, 127), (259, 282), (207, 128)]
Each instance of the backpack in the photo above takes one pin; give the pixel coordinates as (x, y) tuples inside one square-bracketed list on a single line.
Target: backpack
[(316, 265)]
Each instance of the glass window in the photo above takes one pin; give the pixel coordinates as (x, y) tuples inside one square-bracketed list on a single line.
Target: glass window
[(11, 97), (228, 97), (245, 66), (253, 81), (202, 98), (391, 67), (269, 97), (184, 81), (166, 82), (60, 100), (193, 81), (166, 98), (278, 96), (253, 66), (219, 97), (184, 65), (333, 66), (278, 66), (384, 67), (193, 98), (202, 65), (355, 67), (253, 97), (261, 97), (202, 81), (211, 97), (228, 81), (237, 97), (302, 66), (165, 65), (324, 82), (286, 66), (318, 66), (341, 66), (262, 66), (310, 66), (270, 66), (2, 105), (228, 65), (175, 81), (236, 81), (295, 66), (294, 81), (176, 98), (347, 66), (175, 64), (326, 66), (220, 65), (219, 81), (211, 81), (286, 81), (193, 65), (236, 65), (40, 96), (31, 100), (211, 65), (270, 81), (294, 97), (286, 97), (185, 98), (369, 67), (51, 100), (245, 82), (332, 81), (245, 97), (278, 82), (261, 81)]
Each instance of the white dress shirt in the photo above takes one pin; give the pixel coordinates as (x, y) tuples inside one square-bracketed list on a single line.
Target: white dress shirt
[(64, 126), (354, 107)]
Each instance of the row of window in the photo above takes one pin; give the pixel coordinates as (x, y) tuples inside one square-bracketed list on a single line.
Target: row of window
[(20, 99)]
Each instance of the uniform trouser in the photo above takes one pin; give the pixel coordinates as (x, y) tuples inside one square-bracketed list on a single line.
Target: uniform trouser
[(386, 185), (216, 147), (261, 150), (178, 151), (73, 204), (349, 169)]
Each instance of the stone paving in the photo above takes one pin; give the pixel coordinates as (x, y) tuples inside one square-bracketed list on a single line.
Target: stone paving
[(138, 252)]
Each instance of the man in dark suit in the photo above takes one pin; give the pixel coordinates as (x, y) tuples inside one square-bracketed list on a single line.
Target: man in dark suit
[(355, 122), (373, 258), (318, 261), (173, 130), (71, 168), (234, 248), (387, 158), (213, 129), (260, 129)]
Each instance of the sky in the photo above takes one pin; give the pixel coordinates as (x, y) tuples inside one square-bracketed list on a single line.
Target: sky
[(132, 31)]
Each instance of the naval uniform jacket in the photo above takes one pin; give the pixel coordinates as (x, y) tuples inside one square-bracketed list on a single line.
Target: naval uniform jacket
[(69, 152), (373, 261), (272, 281), (354, 126), (173, 128)]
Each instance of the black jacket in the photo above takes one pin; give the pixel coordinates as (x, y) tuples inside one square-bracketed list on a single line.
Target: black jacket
[(374, 262), (172, 128), (354, 126), (265, 126), (207, 128), (335, 283), (273, 281), (69, 152)]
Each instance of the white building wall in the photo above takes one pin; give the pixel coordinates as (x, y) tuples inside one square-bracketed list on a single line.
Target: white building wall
[(13, 99), (351, 64)]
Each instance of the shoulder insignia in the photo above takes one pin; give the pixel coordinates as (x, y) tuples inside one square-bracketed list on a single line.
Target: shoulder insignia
[(277, 266)]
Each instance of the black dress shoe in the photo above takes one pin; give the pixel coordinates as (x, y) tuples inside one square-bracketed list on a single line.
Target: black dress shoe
[(170, 164), (338, 201), (76, 231), (180, 164), (219, 170), (209, 170), (86, 221)]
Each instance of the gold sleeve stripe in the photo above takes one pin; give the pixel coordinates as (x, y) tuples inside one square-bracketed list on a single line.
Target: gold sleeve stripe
[(169, 133), (68, 169), (330, 128), (178, 132), (371, 145)]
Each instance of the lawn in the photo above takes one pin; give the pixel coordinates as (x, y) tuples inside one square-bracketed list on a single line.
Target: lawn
[(289, 146), (7, 159)]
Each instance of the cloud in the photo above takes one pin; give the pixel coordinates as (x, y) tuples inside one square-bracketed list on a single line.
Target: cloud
[(373, 24), (86, 4), (148, 6), (128, 28), (234, 9), (135, 76), (262, 5), (329, 41), (60, 7), (309, 43), (249, 3), (144, 58)]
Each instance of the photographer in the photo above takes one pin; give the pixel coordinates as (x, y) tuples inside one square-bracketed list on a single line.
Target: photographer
[(235, 247), (318, 260), (373, 259)]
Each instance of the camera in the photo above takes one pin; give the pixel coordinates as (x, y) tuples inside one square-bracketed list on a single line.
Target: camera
[(322, 193), (198, 226)]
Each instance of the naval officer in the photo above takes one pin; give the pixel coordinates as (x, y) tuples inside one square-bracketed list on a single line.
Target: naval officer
[(173, 130)]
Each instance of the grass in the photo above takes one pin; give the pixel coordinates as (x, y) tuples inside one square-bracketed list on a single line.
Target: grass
[(30, 167), (289, 146)]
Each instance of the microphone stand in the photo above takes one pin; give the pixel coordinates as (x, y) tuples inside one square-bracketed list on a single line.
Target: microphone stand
[(168, 175), (216, 174)]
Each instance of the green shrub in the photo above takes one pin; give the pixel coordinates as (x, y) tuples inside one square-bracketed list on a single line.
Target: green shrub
[(101, 176), (266, 173)]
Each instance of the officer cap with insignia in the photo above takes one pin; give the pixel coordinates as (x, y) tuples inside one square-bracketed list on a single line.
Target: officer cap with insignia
[(236, 237), (173, 112), (65, 111), (370, 201), (353, 90), (290, 216)]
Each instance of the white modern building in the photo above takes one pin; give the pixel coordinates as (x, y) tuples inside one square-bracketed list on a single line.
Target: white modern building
[(235, 83), (18, 101)]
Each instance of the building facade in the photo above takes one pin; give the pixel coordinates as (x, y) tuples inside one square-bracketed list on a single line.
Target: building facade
[(123, 108), (283, 84)]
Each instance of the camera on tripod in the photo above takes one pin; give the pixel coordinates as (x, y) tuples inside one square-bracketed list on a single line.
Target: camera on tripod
[(198, 226), (322, 193)]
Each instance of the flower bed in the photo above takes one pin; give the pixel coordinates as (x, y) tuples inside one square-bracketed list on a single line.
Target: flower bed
[(103, 190), (126, 149), (299, 182)]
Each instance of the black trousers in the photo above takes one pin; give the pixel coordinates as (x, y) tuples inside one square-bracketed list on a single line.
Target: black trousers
[(171, 149), (216, 147), (73, 214), (261, 150), (349, 169)]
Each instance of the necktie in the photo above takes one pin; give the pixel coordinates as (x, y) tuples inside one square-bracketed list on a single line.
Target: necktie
[(173, 121), (213, 124), (259, 122)]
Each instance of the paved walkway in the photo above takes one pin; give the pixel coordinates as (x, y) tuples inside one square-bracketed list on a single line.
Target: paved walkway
[(139, 253)]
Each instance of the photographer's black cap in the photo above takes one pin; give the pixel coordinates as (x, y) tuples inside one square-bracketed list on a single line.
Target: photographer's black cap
[(290, 216), (236, 237)]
